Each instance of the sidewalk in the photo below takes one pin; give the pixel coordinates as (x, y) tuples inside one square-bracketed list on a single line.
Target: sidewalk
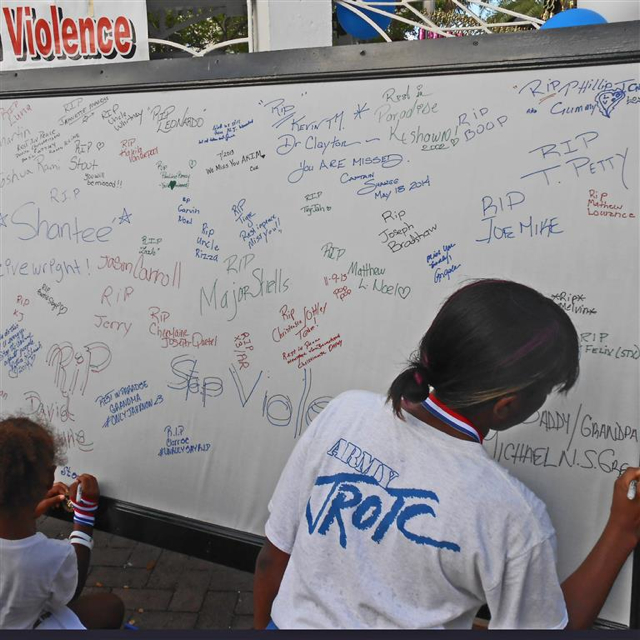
[(162, 589)]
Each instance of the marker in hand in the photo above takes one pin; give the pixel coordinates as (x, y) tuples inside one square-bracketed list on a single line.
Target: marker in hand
[(631, 491)]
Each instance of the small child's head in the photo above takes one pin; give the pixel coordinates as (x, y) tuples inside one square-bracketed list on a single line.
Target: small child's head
[(29, 453), (492, 338)]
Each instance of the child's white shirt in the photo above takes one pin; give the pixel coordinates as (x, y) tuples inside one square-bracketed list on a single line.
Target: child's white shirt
[(393, 524), (36, 574)]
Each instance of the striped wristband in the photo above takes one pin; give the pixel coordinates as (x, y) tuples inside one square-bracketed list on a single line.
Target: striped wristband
[(81, 538), (84, 512)]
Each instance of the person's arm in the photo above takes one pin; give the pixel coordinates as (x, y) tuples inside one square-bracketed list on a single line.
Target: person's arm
[(270, 567), (286, 513), (90, 493), (54, 498), (586, 590)]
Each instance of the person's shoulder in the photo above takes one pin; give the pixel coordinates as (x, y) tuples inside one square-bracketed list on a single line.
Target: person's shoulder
[(513, 488), (346, 407), (358, 398), (517, 497), (35, 542), (52, 547), (41, 555)]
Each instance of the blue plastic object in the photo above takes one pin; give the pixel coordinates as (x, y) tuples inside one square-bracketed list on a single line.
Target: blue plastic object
[(573, 18), (354, 25)]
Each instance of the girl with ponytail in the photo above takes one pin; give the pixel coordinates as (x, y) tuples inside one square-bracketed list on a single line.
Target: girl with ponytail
[(390, 513)]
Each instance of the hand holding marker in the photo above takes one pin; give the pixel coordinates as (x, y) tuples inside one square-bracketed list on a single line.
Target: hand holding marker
[(633, 487)]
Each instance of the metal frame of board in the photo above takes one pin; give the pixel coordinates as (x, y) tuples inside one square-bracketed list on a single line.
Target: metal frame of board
[(610, 44)]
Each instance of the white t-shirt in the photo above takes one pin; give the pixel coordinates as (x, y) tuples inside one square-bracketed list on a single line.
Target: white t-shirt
[(36, 574), (394, 524)]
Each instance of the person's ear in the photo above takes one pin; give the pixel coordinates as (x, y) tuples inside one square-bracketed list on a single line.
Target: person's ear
[(505, 407)]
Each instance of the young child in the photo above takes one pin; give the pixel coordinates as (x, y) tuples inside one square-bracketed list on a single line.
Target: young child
[(390, 513), (41, 579)]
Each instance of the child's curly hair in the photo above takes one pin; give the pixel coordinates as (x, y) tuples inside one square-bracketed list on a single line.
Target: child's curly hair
[(27, 450)]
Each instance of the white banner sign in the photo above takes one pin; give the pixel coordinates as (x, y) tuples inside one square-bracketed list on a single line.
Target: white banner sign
[(613, 10), (45, 33)]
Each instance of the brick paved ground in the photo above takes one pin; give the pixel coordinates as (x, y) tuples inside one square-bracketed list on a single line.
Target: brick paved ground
[(166, 590), (162, 589)]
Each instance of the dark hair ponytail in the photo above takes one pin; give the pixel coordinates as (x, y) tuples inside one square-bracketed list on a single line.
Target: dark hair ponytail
[(491, 338), (412, 384)]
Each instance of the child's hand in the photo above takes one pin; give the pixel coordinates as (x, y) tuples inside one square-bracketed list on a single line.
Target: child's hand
[(625, 513), (54, 497), (89, 488)]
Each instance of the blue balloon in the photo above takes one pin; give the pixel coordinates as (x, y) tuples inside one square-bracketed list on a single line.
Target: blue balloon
[(354, 25), (573, 18)]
